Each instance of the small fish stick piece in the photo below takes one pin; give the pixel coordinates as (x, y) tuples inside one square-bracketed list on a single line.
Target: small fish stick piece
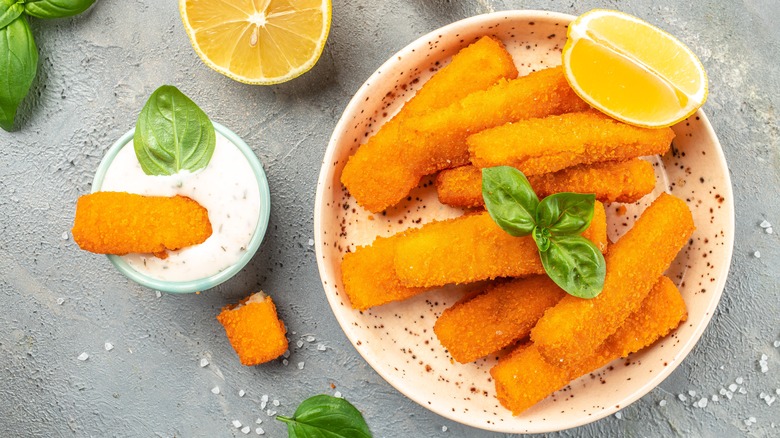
[(549, 144), (121, 223), (254, 329), (378, 171), (525, 377), (500, 316), (575, 327), (625, 181), (473, 248), (369, 275)]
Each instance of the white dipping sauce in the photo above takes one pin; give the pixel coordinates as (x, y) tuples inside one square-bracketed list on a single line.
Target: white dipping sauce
[(227, 188)]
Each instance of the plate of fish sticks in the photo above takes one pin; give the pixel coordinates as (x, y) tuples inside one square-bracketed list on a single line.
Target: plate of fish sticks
[(458, 314)]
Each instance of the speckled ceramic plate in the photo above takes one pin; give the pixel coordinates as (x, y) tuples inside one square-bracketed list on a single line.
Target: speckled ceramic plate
[(397, 339)]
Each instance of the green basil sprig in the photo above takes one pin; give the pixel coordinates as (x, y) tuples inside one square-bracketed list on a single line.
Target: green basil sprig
[(10, 10), (56, 8), (573, 262), (324, 416), (172, 134), (18, 67)]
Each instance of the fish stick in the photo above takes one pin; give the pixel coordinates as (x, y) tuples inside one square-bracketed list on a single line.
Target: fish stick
[(369, 276), (254, 329), (625, 181), (525, 377), (549, 144), (473, 248), (121, 223), (378, 168), (496, 318), (575, 327)]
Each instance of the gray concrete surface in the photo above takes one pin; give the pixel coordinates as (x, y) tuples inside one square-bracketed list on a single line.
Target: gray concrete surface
[(97, 70)]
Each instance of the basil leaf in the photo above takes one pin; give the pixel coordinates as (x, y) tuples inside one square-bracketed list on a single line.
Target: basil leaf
[(173, 134), (9, 11), (542, 238), (327, 417), (576, 265), (566, 213), (56, 8), (18, 67), (509, 199)]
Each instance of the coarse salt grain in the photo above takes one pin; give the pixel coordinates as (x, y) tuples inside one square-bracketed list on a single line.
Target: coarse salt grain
[(682, 397), (276, 403), (259, 431), (769, 400), (337, 394), (64, 235), (108, 346), (204, 363), (236, 424), (776, 344), (765, 224), (703, 402), (83, 356), (662, 403), (757, 254), (321, 347), (310, 339), (286, 354), (618, 415), (299, 344), (270, 412), (769, 230), (158, 293), (246, 430), (722, 391), (729, 395), (733, 387), (739, 380), (285, 362), (60, 301), (777, 391), (263, 404), (715, 398), (444, 428), (259, 421), (241, 393), (742, 391), (311, 242), (300, 365), (692, 393), (264, 398), (215, 390)]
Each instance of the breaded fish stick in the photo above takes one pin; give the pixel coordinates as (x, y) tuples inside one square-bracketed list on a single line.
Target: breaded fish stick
[(473, 248), (525, 377), (549, 144), (121, 223), (575, 327), (378, 168), (496, 318), (369, 276), (625, 181), (254, 330)]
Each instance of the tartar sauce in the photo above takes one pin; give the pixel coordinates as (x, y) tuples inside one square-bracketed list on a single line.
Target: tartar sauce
[(227, 188)]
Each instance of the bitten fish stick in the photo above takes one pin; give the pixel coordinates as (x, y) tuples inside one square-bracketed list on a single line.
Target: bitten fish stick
[(575, 327), (378, 171), (549, 144), (369, 276), (473, 248), (503, 314), (121, 223), (525, 377), (254, 330), (625, 181)]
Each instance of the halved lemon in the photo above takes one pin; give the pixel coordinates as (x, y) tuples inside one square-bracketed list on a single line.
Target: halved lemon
[(257, 41), (631, 70)]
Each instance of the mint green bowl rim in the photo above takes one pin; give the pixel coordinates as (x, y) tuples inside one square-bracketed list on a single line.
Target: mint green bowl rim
[(200, 284)]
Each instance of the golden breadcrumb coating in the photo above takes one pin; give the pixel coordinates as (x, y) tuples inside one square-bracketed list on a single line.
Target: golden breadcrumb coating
[(473, 248), (549, 144), (525, 377), (254, 330), (378, 175), (575, 327), (611, 181), (121, 223), (501, 315)]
